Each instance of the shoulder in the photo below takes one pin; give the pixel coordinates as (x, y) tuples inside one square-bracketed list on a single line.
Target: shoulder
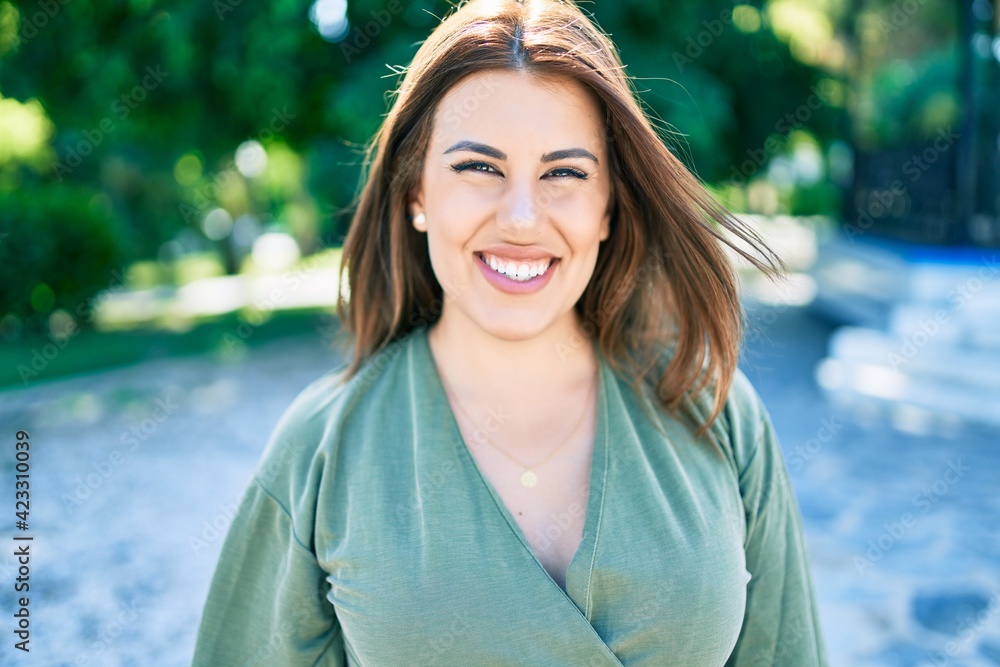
[(754, 451), (303, 446), (744, 414), (743, 426)]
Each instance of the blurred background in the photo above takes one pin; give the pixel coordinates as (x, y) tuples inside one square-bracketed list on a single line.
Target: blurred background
[(176, 179)]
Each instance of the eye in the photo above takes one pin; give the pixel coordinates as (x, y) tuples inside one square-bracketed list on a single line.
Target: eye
[(563, 172), (473, 165)]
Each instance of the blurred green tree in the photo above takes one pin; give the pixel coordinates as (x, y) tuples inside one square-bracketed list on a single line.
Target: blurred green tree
[(147, 108)]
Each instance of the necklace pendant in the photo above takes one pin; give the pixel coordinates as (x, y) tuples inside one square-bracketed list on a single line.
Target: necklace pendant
[(529, 478)]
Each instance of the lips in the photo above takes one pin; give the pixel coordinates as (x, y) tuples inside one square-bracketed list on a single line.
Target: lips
[(515, 253), (517, 279), (516, 269)]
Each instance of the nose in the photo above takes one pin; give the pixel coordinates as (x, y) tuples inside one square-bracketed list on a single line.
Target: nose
[(520, 206)]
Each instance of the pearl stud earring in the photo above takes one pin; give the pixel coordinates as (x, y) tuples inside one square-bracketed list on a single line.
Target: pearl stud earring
[(420, 221)]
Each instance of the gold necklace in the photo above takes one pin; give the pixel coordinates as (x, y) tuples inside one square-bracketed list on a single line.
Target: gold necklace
[(528, 478)]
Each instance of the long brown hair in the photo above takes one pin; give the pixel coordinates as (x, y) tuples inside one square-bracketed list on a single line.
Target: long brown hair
[(662, 281)]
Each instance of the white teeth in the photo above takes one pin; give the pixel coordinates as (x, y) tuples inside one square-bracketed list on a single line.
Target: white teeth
[(519, 272)]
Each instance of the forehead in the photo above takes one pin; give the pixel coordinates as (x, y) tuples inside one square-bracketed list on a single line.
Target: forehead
[(508, 106)]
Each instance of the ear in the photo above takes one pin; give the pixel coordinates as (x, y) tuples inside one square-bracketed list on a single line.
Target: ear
[(415, 200), (415, 207), (606, 220)]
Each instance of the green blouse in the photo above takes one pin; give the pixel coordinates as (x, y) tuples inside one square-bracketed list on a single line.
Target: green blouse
[(368, 536)]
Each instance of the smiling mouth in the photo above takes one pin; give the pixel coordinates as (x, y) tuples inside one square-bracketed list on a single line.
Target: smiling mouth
[(520, 271)]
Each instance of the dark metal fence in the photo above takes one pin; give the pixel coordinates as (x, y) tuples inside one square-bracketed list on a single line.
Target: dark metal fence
[(913, 180)]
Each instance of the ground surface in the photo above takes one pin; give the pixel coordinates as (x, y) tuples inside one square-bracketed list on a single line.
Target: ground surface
[(902, 530)]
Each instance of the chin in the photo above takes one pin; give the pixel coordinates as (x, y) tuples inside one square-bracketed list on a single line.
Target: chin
[(513, 331)]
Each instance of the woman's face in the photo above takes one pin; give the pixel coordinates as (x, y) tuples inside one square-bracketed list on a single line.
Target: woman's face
[(515, 163)]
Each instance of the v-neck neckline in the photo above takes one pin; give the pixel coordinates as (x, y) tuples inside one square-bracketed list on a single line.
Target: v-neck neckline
[(580, 568)]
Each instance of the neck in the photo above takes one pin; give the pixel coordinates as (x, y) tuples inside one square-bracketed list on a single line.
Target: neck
[(481, 367)]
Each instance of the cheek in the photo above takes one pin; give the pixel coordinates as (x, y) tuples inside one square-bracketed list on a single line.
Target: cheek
[(449, 240), (456, 205), (452, 230), (447, 264), (454, 226), (447, 190), (581, 213)]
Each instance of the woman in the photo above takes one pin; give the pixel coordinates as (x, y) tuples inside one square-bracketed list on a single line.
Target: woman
[(540, 451)]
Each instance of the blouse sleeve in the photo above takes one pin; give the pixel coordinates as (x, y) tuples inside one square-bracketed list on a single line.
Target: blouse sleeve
[(267, 601), (781, 624), (265, 604)]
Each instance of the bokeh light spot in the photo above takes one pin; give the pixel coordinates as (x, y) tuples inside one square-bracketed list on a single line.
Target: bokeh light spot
[(42, 298), (251, 158), (218, 224), (330, 19), (746, 18), (188, 169), (275, 251)]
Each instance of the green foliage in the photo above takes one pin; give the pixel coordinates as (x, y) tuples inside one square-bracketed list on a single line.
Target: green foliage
[(59, 248), (909, 73), (150, 100)]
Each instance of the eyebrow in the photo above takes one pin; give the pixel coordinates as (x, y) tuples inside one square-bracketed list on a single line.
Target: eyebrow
[(476, 147), (569, 152)]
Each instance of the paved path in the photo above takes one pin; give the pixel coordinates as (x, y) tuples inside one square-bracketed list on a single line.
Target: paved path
[(135, 473), (902, 530)]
